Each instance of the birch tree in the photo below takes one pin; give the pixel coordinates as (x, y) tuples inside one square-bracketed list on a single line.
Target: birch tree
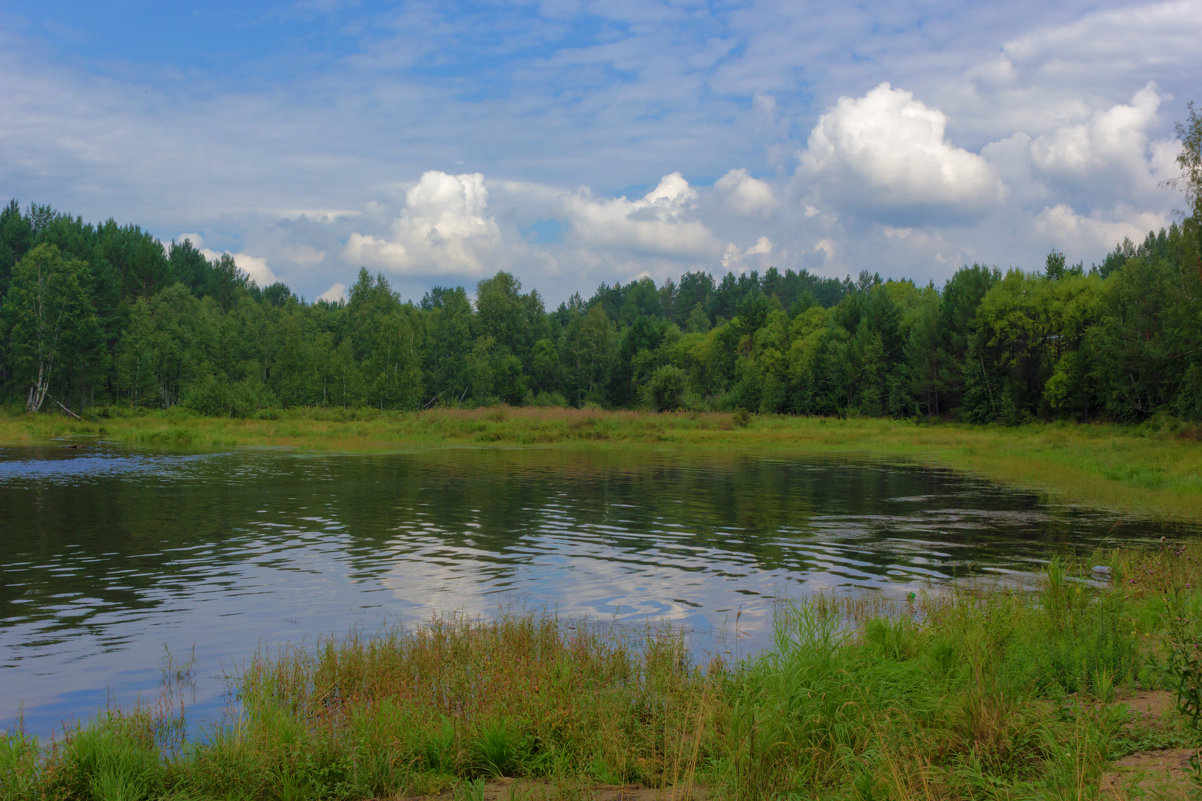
[(50, 324)]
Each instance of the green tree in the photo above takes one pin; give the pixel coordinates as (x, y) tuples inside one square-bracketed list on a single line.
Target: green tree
[(806, 334), (137, 360), (189, 267), (959, 301), (386, 341), (640, 300), (16, 238), (514, 320), (166, 349), (664, 390), (302, 367), (1190, 160), (445, 357), (693, 293), (1149, 334), (635, 357), (590, 352), (546, 371), (920, 322), (50, 323)]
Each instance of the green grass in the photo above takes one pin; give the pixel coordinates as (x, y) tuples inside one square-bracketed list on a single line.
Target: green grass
[(956, 695), (1154, 470)]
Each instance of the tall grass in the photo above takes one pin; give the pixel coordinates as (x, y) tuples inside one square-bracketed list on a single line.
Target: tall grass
[(998, 694)]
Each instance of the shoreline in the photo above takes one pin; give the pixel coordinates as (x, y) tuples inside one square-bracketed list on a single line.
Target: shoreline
[(1146, 471), (1069, 690), (1064, 692)]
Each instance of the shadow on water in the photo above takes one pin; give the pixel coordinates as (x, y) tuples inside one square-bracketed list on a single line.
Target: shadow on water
[(112, 556)]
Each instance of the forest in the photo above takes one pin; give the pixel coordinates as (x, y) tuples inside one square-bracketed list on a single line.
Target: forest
[(102, 316), (106, 315)]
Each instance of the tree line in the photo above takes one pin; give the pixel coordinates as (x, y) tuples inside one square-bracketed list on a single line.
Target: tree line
[(105, 315)]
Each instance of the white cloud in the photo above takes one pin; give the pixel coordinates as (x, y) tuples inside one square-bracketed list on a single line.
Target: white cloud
[(886, 155), (734, 258), (995, 72), (319, 215), (826, 247), (255, 267), (762, 247), (661, 223), (1058, 69), (335, 294), (1062, 227), (1142, 36), (298, 164), (1110, 152), (444, 229), (745, 195), (930, 244), (304, 255)]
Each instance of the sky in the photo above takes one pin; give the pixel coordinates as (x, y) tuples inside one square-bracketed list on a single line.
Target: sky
[(574, 143)]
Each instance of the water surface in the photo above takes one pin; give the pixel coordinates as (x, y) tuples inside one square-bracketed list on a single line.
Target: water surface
[(112, 559)]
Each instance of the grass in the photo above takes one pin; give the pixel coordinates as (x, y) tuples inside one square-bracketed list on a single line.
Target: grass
[(1154, 470), (951, 696)]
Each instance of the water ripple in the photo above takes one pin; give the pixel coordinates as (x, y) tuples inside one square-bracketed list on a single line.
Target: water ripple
[(115, 557)]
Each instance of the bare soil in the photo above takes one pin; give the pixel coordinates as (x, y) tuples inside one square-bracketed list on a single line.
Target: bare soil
[(1159, 774), (532, 790)]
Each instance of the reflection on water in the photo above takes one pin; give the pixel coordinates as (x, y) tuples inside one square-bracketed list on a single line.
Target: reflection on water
[(112, 559)]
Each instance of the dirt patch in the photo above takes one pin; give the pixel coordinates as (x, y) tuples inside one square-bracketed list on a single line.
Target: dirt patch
[(1150, 774), (531, 790), (1159, 774), (1151, 707)]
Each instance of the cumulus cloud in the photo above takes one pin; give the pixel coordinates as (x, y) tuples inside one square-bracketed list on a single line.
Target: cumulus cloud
[(745, 195), (1067, 230), (661, 223), (826, 247), (335, 294), (255, 267), (762, 247), (444, 228), (886, 154), (736, 258), (1110, 150)]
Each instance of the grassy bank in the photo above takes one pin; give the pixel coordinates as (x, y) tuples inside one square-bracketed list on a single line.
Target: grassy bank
[(1150, 470), (955, 696)]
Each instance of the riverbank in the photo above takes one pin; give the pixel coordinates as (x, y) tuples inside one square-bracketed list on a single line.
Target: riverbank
[(1151, 470), (952, 695)]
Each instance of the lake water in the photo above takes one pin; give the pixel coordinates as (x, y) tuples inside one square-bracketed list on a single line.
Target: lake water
[(111, 559)]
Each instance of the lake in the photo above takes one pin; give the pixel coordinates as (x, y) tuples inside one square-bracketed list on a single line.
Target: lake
[(114, 559)]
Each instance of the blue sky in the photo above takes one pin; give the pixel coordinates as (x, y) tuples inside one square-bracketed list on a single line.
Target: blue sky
[(574, 143)]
